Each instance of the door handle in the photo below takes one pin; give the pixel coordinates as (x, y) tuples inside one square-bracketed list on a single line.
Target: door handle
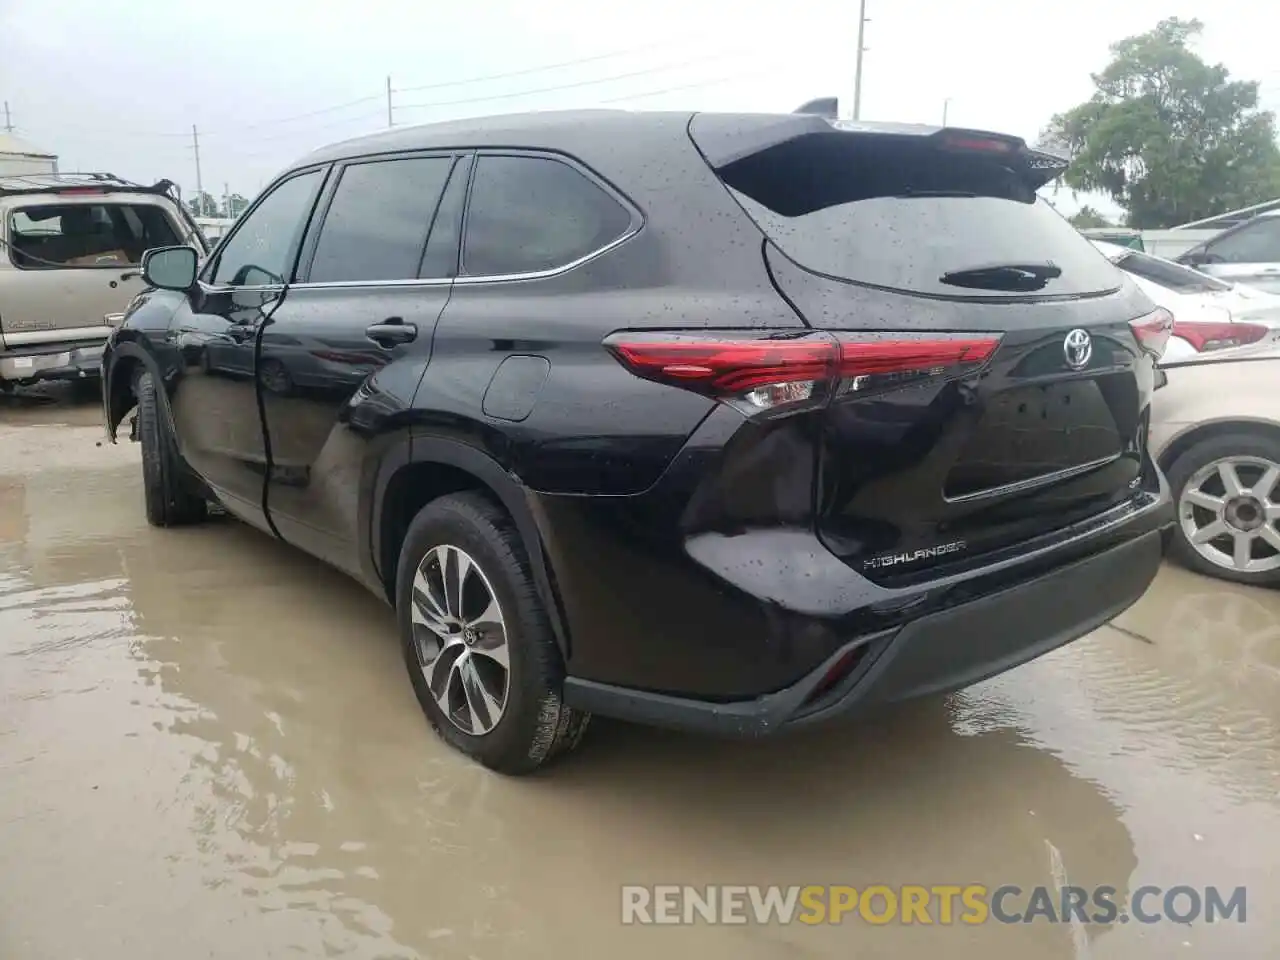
[(391, 332)]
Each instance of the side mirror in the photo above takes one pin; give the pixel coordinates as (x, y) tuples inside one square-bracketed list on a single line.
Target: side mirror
[(1194, 258), (170, 268)]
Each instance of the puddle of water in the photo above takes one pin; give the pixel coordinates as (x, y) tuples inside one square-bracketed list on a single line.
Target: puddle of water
[(208, 747)]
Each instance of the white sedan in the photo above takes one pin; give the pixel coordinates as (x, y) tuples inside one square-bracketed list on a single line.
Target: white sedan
[(1208, 313)]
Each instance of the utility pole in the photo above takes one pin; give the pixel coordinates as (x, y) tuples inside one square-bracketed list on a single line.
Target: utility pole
[(195, 144), (390, 122), (945, 103), (226, 199), (8, 121), (857, 70)]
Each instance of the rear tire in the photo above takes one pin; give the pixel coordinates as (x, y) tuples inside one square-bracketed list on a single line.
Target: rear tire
[(169, 502), (459, 634), (1196, 480)]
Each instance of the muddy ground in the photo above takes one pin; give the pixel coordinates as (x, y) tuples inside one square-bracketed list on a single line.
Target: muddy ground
[(209, 748)]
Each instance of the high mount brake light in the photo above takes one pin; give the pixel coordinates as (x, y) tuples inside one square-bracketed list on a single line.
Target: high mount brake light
[(962, 141), (761, 374), (1205, 337), (1152, 331)]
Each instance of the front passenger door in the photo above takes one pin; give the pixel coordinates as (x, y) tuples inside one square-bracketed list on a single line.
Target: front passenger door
[(214, 401)]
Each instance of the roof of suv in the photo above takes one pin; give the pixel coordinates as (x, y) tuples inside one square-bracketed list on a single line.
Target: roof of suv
[(616, 139), (548, 129)]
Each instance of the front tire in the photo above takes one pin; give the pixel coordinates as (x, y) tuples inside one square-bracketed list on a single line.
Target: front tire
[(1227, 491), (476, 640), (168, 501)]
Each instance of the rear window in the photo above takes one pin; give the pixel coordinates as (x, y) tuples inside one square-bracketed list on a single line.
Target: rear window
[(53, 236), (900, 213), (1169, 275)]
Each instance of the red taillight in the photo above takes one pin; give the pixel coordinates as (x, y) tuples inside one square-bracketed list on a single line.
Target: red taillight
[(726, 366), (1217, 336), (1153, 330), (862, 357), (760, 374)]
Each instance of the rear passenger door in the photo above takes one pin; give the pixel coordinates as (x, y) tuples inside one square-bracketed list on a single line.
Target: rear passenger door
[(343, 354), (532, 289)]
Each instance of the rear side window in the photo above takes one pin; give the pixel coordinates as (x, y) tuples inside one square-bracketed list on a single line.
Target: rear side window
[(900, 213), (377, 224), (529, 214), (52, 236)]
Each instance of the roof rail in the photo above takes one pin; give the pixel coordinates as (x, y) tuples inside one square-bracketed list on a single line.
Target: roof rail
[(32, 183)]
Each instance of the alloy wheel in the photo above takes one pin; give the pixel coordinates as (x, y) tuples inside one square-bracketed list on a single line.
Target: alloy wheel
[(461, 639), (1230, 513)]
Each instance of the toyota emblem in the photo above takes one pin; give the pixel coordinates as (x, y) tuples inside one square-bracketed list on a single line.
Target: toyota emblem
[(1077, 348)]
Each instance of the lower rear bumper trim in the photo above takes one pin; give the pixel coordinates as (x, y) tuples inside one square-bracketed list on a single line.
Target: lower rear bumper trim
[(947, 650)]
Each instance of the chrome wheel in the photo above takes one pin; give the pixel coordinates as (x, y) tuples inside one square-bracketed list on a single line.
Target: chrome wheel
[(1230, 513), (461, 639)]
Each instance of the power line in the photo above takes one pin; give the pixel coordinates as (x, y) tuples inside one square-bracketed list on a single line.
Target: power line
[(510, 95), (528, 70), (691, 86)]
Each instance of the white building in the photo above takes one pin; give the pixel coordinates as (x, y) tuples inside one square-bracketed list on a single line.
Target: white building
[(19, 158)]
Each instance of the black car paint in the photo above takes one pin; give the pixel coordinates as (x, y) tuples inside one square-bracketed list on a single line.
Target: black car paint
[(675, 545)]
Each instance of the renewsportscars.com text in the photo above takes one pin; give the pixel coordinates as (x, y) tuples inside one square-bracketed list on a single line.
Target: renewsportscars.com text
[(934, 904)]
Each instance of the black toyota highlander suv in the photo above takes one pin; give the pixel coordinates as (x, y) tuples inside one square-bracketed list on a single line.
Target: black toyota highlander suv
[(732, 423)]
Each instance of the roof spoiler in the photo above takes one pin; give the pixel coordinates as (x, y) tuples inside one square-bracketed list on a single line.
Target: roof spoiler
[(821, 107)]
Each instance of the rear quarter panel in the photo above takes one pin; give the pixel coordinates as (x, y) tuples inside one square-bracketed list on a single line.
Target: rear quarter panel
[(1247, 391)]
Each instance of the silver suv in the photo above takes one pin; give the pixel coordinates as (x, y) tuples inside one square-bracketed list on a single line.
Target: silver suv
[(70, 249)]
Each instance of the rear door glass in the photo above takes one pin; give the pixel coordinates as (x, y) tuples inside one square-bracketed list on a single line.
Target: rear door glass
[(376, 226), (53, 236), (898, 212), (1170, 275)]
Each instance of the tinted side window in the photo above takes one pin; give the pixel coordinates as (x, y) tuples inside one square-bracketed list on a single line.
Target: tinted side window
[(1259, 242), (262, 248), (377, 224), (533, 213)]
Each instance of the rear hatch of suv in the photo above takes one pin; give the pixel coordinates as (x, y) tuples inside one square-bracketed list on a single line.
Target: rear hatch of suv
[(994, 369)]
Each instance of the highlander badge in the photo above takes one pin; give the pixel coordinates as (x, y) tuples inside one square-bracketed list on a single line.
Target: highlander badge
[(924, 553)]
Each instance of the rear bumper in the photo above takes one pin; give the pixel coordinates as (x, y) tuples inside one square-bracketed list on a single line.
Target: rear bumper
[(52, 362), (944, 650)]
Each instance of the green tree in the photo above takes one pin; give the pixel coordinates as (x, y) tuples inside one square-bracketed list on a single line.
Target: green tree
[(1087, 217), (234, 205), (1167, 136), (203, 205)]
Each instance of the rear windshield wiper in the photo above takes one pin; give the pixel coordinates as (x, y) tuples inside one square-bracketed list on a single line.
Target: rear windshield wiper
[(1004, 276)]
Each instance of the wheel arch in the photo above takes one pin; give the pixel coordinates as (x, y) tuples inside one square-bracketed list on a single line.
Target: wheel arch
[(1200, 432), (415, 471), (121, 368)]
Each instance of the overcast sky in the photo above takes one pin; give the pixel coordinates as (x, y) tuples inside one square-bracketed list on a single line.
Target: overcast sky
[(117, 84)]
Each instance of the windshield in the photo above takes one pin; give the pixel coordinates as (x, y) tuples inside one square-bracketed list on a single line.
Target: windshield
[(903, 214)]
